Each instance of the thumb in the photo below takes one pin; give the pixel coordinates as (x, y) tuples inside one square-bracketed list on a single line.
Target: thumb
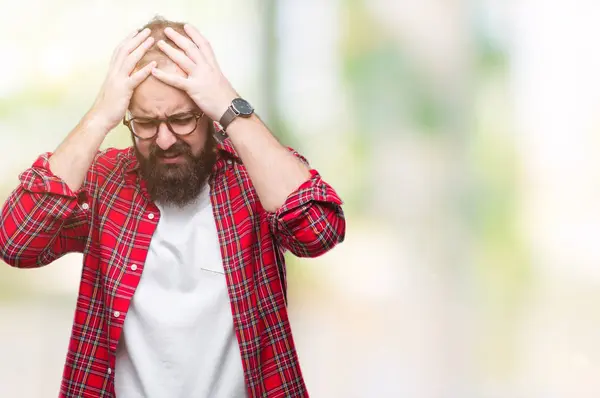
[(138, 77)]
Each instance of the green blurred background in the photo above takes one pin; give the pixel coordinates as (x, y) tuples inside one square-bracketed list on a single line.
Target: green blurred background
[(462, 135)]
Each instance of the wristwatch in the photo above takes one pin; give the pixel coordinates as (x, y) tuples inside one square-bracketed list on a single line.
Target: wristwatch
[(238, 107)]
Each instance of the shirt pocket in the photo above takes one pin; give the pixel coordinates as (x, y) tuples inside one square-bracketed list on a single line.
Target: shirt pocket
[(213, 268), (211, 261)]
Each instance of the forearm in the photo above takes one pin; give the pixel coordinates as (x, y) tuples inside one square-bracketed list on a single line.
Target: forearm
[(274, 171), (73, 158)]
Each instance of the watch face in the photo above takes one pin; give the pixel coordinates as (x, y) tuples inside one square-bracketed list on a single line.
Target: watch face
[(242, 106)]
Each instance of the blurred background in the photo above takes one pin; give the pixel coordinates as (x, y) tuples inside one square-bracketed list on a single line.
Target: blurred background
[(462, 135)]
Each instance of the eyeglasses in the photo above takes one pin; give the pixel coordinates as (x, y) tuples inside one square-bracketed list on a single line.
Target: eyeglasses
[(180, 124)]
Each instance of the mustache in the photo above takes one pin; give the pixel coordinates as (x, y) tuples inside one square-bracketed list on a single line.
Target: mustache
[(179, 148)]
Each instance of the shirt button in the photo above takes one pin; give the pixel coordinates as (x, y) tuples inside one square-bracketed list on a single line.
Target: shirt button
[(85, 206), (109, 371), (229, 161), (133, 267), (151, 216), (117, 314)]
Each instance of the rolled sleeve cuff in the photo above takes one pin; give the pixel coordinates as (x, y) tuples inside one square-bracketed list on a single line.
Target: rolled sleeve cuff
[(312, 190), (291, 217), (40, 179)]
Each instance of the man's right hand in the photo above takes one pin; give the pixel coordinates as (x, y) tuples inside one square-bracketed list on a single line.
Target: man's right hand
[(114, 97), (73, 158)]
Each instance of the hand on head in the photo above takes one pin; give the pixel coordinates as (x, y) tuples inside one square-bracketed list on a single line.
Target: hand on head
[(174, 53)]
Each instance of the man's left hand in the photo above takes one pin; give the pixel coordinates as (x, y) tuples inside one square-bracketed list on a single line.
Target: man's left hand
[(205, 83)]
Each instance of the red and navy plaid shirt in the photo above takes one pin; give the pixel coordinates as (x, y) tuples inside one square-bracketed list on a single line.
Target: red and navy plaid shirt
[(111, 220)]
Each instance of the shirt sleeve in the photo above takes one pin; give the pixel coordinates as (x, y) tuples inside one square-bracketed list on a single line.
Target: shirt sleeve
[(42, 219), (311, 221)]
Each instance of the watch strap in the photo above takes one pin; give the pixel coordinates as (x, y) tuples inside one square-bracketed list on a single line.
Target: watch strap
[(228, 117)]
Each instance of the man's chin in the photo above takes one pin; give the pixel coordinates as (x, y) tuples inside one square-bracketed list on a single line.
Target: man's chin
[(169, 167), (172, 173)]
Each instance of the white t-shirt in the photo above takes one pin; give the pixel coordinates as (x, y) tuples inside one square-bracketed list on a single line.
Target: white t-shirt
[(178, 338)]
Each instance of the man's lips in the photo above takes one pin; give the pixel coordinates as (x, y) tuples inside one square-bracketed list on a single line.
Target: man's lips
[(170, 158)]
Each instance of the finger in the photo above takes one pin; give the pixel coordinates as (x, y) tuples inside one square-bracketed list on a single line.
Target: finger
[(171, 79), (121, 44), (202, 43), (177, 56), (188, 46), (137, 54), (130, 36), (138, 77), (132, 44)]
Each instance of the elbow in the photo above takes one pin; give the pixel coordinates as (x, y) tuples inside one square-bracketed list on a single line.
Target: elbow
[(8, 258), (17, 261), (14, 257), (6, 255)]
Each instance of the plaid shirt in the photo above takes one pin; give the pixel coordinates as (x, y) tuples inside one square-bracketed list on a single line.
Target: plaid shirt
[(111, 220)]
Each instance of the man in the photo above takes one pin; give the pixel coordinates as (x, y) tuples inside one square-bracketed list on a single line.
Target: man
[(183, 285)]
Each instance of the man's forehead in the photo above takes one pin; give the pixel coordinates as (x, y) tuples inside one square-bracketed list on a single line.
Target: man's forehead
[(160, 110), (157, 100)]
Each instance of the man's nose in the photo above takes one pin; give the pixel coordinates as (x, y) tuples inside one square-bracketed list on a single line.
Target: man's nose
[(165, 138)]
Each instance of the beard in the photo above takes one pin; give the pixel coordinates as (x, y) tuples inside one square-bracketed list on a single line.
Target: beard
[(177, 183)]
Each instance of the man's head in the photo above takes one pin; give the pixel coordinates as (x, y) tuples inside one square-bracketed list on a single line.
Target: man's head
[(178, 159)]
